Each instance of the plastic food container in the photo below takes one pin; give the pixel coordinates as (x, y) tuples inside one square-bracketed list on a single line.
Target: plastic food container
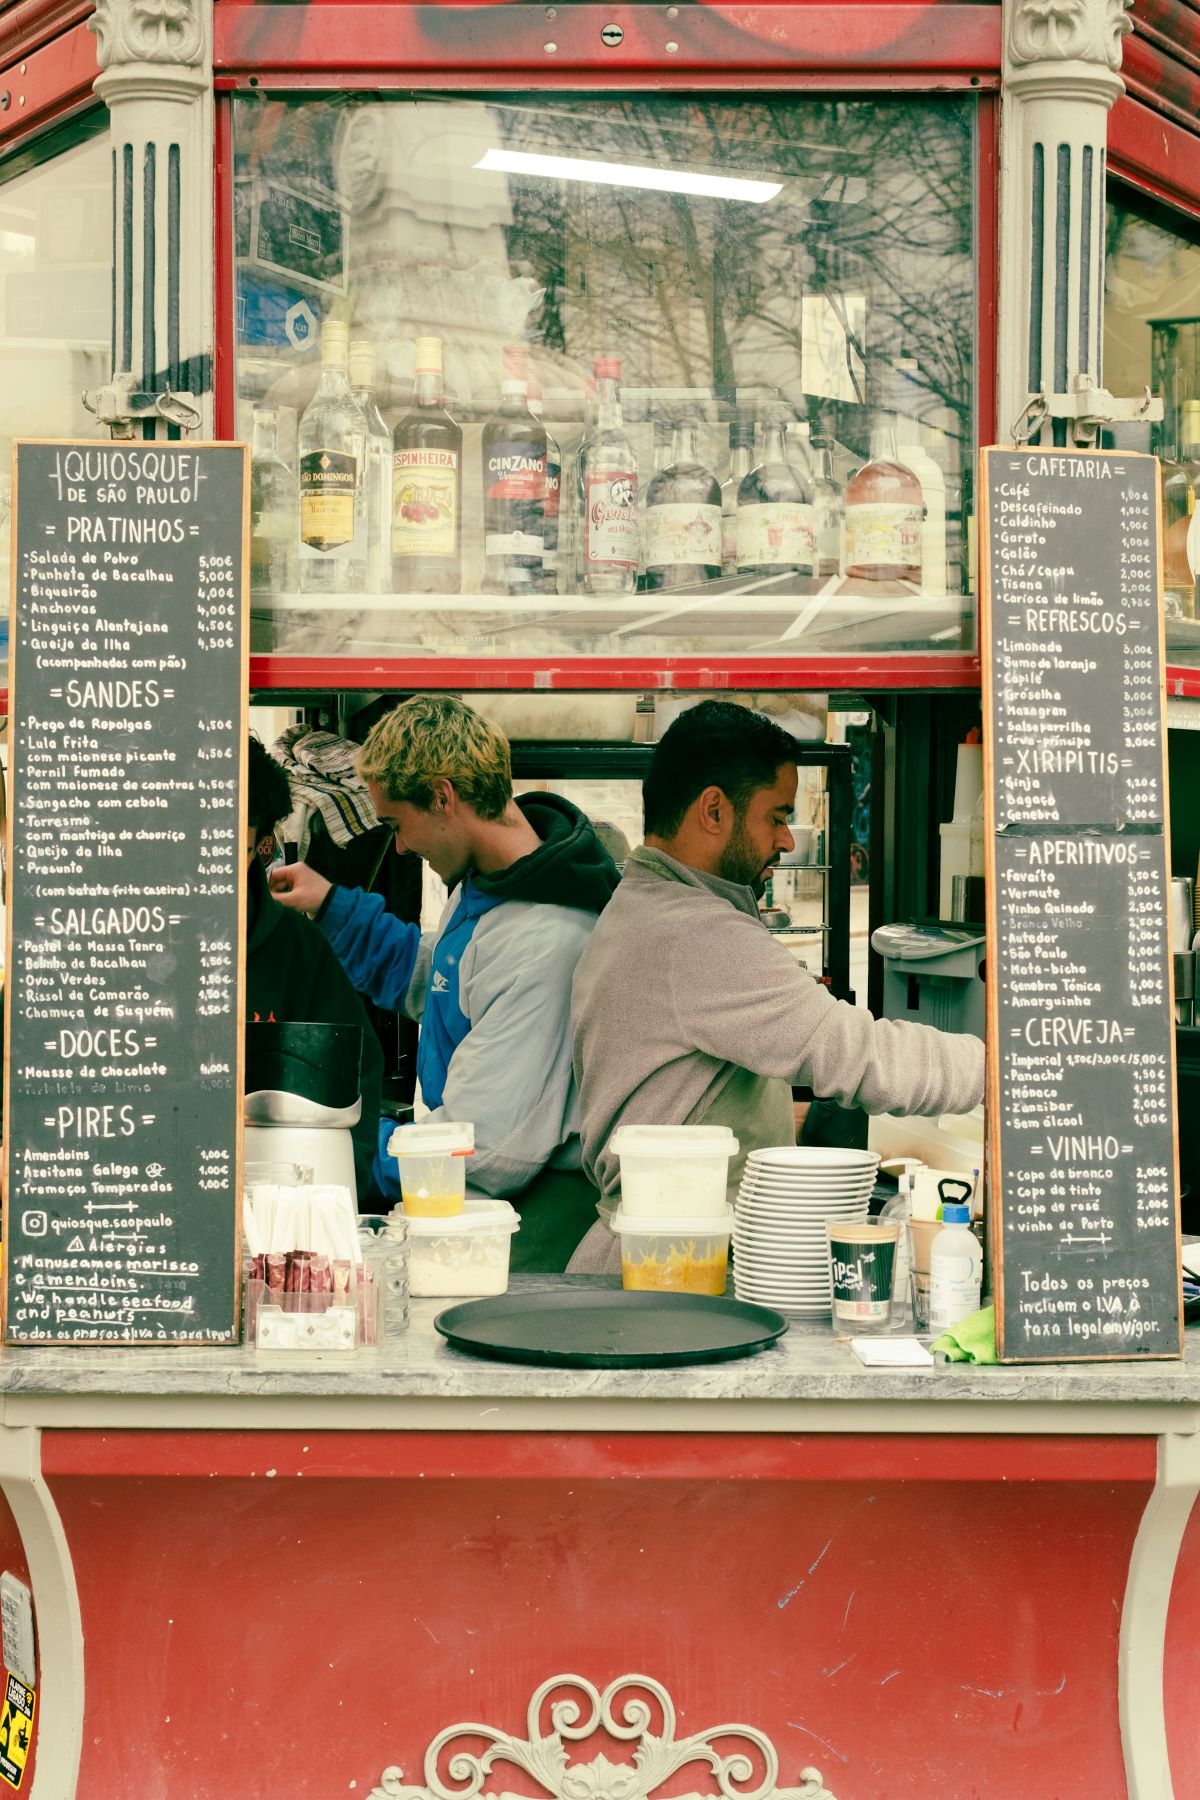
[(432, 1160), (675, 1256), (673, 1171), (460, 1258)]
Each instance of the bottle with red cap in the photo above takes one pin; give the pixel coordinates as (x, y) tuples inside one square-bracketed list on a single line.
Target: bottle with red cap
[(514, 487), (609, 484)]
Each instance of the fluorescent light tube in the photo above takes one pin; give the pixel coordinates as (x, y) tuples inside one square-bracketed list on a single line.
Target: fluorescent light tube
[(610, 174)]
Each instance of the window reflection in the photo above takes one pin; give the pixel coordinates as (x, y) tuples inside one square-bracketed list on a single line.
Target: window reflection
[(621, 304), (1152, 339), (55, 300)]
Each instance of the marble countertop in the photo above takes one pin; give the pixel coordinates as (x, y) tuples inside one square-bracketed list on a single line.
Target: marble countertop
[(809, 1364)]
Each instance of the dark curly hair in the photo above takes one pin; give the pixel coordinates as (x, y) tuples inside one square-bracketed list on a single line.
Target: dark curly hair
[(269, 792)]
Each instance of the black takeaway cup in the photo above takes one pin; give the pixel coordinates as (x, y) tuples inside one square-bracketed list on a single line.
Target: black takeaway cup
[(862, 1269)]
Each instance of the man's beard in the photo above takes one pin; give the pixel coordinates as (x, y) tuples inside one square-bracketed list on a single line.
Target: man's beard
[(740, 862)]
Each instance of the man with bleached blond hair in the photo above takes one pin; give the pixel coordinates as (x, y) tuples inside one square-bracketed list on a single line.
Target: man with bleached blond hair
[(492, 986)]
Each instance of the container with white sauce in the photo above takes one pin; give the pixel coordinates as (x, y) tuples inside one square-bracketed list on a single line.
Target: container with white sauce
[(463, 1257)]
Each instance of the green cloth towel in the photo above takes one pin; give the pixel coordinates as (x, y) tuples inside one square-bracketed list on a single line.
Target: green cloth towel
[(973, 1339)]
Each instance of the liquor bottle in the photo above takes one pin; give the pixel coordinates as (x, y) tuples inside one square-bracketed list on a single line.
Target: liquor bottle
[(331, 444), (683, 517), (579, 508), (514, 487), (829, 512), (662, 435), (884, 515), (775, 522), (1178, 509), (1190, 445), (427, 486), (273, 496), (911, 452), (741, 458), (552, 515), (378, 469), (609, 474)]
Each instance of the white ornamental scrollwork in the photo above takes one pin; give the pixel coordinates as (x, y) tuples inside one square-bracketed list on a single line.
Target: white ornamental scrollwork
[(148, 31), (1089, 31), (626, 1711)]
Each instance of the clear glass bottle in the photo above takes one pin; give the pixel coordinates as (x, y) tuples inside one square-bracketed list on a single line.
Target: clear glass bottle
[(378, 469), (609, 477), (909, 401), (741, 459), (273, 509), (513, 446), (552, 515), (1189, 444), (331, 445), (683, 516), (775, 522), (884, 514), (579, 509), (427, 486), (662, 434), (829, 510), (1178, 506)]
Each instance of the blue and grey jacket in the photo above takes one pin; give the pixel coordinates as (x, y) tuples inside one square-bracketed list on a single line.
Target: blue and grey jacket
[(492, 990)]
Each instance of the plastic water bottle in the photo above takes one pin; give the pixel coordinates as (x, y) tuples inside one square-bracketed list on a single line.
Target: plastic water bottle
[(955, 1270)]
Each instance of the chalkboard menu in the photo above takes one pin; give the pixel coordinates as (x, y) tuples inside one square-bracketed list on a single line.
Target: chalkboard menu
[(127, 736), (1080, 1026)]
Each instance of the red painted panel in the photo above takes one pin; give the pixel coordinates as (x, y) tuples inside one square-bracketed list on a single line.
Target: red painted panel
[(27, 24), (1181, 1664), (1169, 86), (56, 80), (604, 674), (511, 40), (541, 1456), (956, 1641)]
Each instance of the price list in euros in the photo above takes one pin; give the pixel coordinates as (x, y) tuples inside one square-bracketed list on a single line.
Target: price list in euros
[(1081, 1071), (126, 892)]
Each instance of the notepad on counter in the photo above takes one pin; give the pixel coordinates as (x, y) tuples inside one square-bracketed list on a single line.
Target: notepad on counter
[(891, 1353)]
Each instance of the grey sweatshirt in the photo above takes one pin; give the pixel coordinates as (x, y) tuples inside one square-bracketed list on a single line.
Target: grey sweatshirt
[(685, 1009)]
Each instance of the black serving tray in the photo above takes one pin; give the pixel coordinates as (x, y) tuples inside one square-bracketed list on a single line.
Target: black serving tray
[(578, 1330)]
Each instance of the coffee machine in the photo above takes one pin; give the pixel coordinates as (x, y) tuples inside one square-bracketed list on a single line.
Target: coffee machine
[(302, 1097)]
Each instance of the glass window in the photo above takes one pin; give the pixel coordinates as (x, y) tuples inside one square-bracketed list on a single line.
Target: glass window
[(1152, 339), (578, 375), (56, 289)]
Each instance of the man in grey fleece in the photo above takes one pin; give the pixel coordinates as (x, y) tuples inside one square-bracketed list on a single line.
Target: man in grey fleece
[(686, 1011)]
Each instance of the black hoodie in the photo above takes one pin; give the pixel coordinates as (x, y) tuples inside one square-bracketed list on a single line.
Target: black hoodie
[(570, 868)]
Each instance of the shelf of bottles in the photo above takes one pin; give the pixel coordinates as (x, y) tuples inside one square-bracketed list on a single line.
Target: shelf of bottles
[(607, 377)]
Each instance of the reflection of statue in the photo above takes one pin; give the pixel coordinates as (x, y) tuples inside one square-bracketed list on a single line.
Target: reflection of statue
[(430, 250)]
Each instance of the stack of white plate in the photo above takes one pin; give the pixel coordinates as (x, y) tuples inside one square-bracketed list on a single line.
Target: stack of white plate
[(780, 1245)]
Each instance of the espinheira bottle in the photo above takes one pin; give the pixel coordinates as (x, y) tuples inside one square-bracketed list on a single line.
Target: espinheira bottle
[(427, 486), (741, 457), (331, 444), (609, 478), (378, 468), (884, 514), (272, 509), (829, 510), (683, 517), (552, 516), (912, 453), (775, 526), (513, 447)]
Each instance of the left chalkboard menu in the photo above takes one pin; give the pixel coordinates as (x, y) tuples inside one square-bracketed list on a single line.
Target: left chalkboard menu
[(127, 734)]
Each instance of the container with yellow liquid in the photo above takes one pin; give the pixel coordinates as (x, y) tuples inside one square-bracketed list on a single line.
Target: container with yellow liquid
[(432, 1160), (680, 1256)]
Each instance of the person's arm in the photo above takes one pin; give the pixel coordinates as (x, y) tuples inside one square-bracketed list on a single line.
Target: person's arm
[(511, 1075), (384, 958), (338, 1004), (742, 997)]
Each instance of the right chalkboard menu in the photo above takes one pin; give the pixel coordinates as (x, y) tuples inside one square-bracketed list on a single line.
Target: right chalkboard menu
[(1081, 1066)]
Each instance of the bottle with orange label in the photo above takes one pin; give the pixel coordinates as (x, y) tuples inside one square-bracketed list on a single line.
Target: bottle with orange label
[(427, 485)]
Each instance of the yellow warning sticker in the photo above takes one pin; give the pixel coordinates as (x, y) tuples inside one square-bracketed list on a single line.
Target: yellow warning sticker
[(16, 1729)]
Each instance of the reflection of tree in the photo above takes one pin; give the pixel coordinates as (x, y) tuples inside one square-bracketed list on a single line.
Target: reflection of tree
[(877, 200)]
